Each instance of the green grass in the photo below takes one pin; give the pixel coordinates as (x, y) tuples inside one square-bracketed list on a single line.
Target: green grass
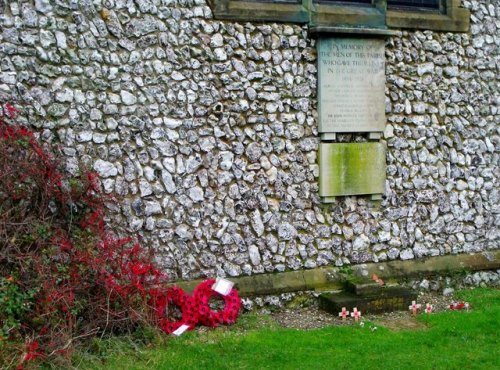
[(452, 340)]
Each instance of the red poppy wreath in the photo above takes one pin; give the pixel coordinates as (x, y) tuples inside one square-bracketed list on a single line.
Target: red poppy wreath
[(202, 294), (177, 297)]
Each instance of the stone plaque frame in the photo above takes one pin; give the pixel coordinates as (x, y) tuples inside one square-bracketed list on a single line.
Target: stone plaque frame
[(351, 85)]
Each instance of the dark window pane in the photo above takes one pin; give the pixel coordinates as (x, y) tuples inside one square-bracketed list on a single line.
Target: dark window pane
[(414, 4), (369, 2), (274, 1)]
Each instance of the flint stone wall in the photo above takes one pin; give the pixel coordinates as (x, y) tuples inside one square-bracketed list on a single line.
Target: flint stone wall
[(207, 131)]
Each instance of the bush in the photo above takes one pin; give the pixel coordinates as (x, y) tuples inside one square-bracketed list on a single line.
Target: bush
[(63, 274)]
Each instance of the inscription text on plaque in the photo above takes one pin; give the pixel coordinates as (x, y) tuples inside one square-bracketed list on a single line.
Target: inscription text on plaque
[(351, 85)]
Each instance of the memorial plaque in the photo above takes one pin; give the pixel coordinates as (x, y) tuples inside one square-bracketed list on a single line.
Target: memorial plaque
[(351, 169), (351, 85)]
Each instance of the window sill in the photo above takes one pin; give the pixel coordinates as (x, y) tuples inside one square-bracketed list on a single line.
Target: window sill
[(457, 22), (315, 30), (456, 19), (251, 11)]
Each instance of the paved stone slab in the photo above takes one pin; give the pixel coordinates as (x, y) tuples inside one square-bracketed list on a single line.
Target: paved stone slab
[(364, 287)]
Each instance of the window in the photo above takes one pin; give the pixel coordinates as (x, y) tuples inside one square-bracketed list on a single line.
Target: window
[(349, 15), (419, 5), (438, 15)]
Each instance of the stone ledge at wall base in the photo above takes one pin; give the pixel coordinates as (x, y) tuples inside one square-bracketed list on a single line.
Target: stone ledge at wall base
[(333, 278), (444, 284)]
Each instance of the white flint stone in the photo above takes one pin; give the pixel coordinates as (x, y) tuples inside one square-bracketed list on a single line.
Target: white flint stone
[(99, 138), (361, 243), (220, 54), (43, 6), (152, 208), (424, 284), (406, 254), (84, 136), (46, 38), (425, 68), (254, 254), (196, 194), (217, 40), (184, 232), (172, 123), (256, 222), (64, 95), (128, 98), (177, 76), (286, 231), (145, 188), (384, 236), (135, 224), (192, 164), (8, 78), (168, 182), (461, 185), (105, 169), (61, 40), (226, 160), (448, 291)]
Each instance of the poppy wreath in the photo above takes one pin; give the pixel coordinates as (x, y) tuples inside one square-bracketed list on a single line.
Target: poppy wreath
[(177, 297), (202, 294)]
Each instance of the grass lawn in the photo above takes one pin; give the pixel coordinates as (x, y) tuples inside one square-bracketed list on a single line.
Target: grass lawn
[(452, 340)]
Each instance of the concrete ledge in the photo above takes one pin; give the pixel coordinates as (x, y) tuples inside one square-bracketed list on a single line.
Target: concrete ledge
[(332, 278)]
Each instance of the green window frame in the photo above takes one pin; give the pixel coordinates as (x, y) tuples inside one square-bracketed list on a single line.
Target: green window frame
[(291, 11), (347, 14), (449, 17), (350, 15)]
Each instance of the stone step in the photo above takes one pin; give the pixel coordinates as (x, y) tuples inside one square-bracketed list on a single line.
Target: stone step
[(363, 287), (386, 299)]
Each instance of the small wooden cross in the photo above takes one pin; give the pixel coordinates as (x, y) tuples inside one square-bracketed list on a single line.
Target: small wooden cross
[(414, 307), (356, 314), (428, 308), (344, 313)]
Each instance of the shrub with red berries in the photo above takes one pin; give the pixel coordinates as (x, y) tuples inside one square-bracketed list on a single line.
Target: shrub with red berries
[(63, 273)]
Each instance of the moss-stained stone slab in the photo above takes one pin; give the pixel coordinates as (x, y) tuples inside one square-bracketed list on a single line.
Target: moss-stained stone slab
[(351, 85), (362, 287), (351, 169)]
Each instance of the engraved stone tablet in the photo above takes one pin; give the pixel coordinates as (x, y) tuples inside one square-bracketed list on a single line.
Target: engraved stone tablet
[(351, 169), (351, 85)]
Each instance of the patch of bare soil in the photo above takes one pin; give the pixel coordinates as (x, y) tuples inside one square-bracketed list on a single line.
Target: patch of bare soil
[(312, 317)]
